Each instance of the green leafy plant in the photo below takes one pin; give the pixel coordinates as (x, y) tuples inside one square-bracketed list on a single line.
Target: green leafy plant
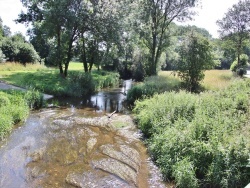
[(203, 134)]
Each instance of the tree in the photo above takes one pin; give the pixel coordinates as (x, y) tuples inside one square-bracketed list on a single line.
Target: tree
[(156, 17), (2, 56), (235, 25), (16, 49), (243, 65), (195, 57)]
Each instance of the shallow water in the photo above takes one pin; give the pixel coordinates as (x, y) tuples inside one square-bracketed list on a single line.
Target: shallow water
[(77, 146)]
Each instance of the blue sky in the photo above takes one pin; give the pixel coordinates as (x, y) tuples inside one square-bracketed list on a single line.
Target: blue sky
[(207, 16)]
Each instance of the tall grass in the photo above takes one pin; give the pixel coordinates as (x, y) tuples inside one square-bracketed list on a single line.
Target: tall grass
[(152, 85), (199, 140), (77, 83), (11, 66), (14, 108), (214, 79), (217, 79)]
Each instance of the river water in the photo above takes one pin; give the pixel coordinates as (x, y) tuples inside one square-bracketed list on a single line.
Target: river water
[(79, 145)]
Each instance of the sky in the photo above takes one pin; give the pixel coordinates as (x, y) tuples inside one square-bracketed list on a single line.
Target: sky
[(208, 14)]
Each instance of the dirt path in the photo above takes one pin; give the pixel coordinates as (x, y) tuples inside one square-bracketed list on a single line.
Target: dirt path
[(4, 86)]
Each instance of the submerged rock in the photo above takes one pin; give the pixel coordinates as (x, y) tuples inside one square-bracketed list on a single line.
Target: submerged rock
[(95, 180), (110, 151), (118, 169)]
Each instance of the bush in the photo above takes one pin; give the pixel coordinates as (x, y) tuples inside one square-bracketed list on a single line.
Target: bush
[(184, 174), (14, 108), (34, 99), (240, 69), (204, 134)]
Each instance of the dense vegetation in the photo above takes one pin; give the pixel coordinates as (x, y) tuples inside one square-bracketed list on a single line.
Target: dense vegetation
[(77, 84), (14, 108), (15, 48), (199, 140)]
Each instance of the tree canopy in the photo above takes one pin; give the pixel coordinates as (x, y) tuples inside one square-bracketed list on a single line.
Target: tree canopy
[(235, 25)]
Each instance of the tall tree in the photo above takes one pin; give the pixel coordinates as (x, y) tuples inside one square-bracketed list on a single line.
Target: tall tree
[(157, 16), (195, 57), (235, 25), (60, 21)]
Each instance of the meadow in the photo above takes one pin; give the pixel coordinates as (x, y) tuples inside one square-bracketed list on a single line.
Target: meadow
[(169, 81)]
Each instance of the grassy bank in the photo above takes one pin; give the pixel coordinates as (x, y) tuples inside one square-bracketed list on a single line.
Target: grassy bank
[(199, 140), (167, 81), (47, 80), (14, 108), (153, 85)]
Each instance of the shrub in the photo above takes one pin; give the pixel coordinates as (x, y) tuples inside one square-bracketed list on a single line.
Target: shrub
[(34, 99), (240, 68), (184, 174)]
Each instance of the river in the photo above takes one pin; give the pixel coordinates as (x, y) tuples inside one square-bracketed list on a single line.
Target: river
[(79, 144)]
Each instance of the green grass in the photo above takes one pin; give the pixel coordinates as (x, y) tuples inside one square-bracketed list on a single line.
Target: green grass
[(199, 140), (47, 80), (14, 108), (214, 79), (152, 85), (169, 81)]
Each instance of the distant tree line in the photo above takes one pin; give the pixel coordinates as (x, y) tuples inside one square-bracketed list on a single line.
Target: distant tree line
[(136, 38), (15, 48)]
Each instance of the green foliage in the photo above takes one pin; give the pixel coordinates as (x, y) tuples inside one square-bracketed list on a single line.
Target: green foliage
[(14, 107), (152, 85), (27, 54), (195, 57), (240, 68), (202, 134), (184, 174), (16, 49), (2, 56), (77, 83), (34, 99)]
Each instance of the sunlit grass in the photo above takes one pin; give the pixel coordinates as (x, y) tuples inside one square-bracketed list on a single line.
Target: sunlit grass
[(75, 66), (214, 79), (217, 79), (10, 66)]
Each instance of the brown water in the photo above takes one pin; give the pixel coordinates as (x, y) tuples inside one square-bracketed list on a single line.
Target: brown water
[(77, 146)]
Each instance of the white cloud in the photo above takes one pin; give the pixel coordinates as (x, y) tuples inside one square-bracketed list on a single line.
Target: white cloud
[(210, 12), (9, 10)]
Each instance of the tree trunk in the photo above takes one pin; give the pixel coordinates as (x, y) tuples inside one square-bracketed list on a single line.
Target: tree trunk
[(154, 44), (59, 62), (84, 57)]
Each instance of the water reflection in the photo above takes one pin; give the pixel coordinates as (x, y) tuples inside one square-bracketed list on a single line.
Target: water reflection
[(108, 100)]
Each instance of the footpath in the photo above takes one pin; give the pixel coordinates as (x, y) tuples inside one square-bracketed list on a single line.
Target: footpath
[(5, 86)]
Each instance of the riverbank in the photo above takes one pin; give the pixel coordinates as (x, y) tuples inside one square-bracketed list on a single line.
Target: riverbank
[(5, 86)]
